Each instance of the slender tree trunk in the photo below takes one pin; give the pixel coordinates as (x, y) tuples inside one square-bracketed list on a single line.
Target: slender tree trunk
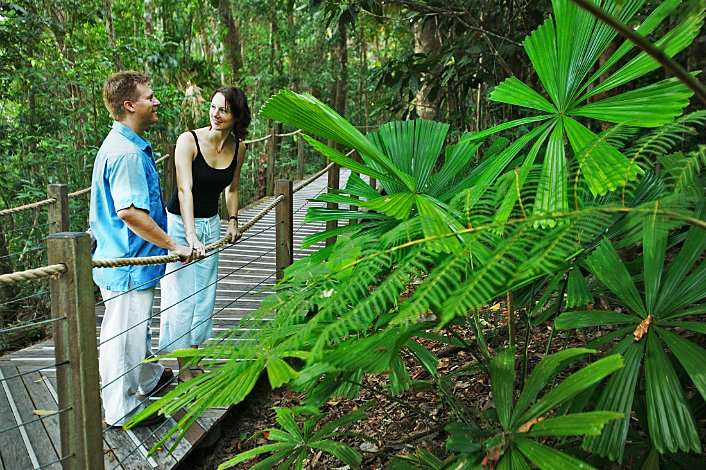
[(110, 29), (233, 45), (426, 42)]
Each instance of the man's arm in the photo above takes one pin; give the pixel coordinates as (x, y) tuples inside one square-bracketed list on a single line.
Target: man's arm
[(140, 222)]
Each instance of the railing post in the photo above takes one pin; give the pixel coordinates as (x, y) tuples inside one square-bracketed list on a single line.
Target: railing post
[(75, 341), (58, 212), (333, 185), (270, 174), (300, 157), (168, 173), (284, 228)]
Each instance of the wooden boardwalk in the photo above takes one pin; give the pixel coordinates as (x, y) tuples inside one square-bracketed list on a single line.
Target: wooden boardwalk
[(246, 271)]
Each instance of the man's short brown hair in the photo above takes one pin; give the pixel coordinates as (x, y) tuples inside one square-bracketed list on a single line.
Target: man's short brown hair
[(121, 87)]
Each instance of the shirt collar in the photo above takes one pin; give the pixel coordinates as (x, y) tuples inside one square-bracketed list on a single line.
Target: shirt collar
[(129, 134)]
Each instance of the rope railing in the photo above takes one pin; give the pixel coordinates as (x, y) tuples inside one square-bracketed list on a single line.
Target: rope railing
[(148, 260), (32, 274)]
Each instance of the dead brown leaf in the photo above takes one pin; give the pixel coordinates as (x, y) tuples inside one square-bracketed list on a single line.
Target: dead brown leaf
[(642, 328)]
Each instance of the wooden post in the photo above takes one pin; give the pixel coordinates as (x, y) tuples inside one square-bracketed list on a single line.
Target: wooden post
[(75, 341), (59, 211), (284, 228), (333, 185), (270, 150), (300, 157)]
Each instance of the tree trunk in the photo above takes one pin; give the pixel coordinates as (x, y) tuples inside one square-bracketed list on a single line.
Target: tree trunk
[(426, 42), (232, 42), (110, 29)]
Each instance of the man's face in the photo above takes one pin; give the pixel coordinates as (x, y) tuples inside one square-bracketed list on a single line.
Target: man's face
[(145, 106)]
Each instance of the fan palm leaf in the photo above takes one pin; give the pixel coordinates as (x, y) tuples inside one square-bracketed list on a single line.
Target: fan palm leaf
[(563, 50)]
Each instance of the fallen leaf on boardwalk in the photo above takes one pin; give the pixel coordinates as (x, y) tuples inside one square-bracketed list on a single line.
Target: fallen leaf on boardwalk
[(495, 307), (528, 425), (40, 380), (642, 328), (43, 412)]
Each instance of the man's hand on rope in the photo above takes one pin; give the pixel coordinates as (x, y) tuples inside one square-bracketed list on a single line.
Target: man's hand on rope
[(185, 254)]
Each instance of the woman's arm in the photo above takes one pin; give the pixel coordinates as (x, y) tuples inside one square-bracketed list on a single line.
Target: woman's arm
[(184, 155), (232, 200)]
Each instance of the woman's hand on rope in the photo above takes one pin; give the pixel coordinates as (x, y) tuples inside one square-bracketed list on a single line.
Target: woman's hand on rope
[(198, 249), (233, 232)]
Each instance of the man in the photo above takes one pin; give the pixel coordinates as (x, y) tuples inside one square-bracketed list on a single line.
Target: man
[(128, 220)]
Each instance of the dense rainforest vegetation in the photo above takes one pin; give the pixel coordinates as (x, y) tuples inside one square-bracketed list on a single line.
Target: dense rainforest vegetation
[(527, 152)]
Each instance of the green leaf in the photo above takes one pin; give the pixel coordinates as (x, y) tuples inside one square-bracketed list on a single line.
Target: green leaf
[(547, 458), (691, 356), (279, 372), (541, 375), (502, 381), (649, 106), (604, 168), (670, 422), (577, 292), (513, 91), (551, 196), (573, 385), (253, 452), (618, 396), (398, 205), (590, 423), (311, 115), (605, 264), (588, 318), (425, 357), (339, 450)]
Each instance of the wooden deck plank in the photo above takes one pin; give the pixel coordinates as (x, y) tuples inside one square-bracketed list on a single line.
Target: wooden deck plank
[(43, 399), (40, 443), (12, 450)]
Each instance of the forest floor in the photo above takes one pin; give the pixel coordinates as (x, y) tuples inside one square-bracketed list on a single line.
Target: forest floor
[(396, 427)]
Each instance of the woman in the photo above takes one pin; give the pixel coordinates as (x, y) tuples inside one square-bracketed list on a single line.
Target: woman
[(207, 161)]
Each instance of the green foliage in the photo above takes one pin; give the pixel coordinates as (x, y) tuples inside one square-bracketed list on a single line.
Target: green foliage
[(656, 307), (563, 51), (294, 443)]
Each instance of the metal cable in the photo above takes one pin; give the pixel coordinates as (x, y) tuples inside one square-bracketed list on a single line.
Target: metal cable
[(14, 301), (30, 325), (50, 366), (34, 420), (26, 227)]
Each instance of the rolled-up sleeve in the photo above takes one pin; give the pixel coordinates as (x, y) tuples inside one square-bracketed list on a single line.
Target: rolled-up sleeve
[(128, 182)]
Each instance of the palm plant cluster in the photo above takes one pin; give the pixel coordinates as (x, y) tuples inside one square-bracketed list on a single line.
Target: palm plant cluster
[(560, 219)]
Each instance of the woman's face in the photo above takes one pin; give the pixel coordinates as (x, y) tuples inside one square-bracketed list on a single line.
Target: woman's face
[(221, 117)]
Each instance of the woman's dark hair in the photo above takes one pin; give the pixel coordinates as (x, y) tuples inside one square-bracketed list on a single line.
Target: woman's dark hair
[(237, 104)]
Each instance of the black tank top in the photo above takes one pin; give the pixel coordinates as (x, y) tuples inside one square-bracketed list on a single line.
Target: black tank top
[(207, 184)]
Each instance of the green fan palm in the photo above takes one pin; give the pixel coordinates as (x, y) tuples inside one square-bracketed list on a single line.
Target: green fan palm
[(401, 155), (528, 417), (564, 51), (665, 299)]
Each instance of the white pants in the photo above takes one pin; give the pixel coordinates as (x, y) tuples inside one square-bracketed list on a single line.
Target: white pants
[(124, 343)]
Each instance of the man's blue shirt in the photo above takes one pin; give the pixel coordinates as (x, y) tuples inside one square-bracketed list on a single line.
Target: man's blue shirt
[(124, 175)]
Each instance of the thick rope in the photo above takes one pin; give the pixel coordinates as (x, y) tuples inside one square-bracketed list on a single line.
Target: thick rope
[(312, 178), (254, 141), (33, 205), (291, 133), (147, 260), (54, 270)]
